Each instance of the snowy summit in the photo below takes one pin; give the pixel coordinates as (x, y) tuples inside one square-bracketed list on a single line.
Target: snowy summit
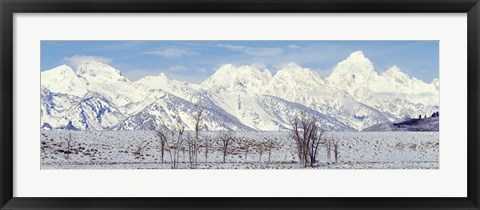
[(95, 96)]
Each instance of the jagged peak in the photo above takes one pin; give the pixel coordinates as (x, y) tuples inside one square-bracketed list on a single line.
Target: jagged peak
[(394, 68), (296, 72), (356, 67), (396, 73), (237, 77), (357, 55), (243, 71), (93, 68), (357, 58), (293, 68), (230, 68), (162, 76), (59, 70)]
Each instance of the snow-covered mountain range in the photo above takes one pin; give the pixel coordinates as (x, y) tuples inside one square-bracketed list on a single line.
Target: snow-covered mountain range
[(96, 96)]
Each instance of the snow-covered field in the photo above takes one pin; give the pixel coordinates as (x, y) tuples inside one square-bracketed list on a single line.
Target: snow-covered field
[(141, 150)]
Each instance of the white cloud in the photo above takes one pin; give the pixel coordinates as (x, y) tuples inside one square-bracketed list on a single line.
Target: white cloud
[(255, 51), (171, 53), (76, 60), (295, 47)]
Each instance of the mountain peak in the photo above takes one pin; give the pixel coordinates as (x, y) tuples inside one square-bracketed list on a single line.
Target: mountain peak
[(293, 70), (357, 55), (232, 69), (98, 70), (292, 66), (163, 75), (393, 69), (355, 69), (59, 70), (62, 79), (396, 73), (237, 78)]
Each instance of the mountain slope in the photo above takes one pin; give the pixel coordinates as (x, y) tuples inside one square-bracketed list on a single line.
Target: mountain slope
[(355, 96), (170, 109), (392, 92)]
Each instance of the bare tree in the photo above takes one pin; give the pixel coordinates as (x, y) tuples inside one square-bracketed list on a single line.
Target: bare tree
[(270, 146), (207, 146), (175, 143), (198, 121), (335, 149), (191, 150), (68, 151), (162, 135), (245, 144), (260, 148), (225, 139), (193, 142), (328, 146), (307, 135), (332, 144), (183, 153)]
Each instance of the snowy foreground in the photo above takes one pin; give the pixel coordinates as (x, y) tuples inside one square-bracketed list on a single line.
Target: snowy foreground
[(141, 150)]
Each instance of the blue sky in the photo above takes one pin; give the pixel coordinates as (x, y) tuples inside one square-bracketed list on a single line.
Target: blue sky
[(194, 61)]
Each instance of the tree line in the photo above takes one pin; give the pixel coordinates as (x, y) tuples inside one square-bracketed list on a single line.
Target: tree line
[(174, 142)]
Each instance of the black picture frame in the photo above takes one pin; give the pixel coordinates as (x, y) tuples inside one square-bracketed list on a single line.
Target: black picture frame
[(10, 7)]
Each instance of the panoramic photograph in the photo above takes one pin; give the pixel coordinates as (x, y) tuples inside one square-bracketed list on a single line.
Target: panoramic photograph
[(257, 104)]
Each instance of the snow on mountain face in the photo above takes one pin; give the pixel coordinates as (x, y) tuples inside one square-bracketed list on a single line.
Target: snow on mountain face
[(232, 78), (169, 109), (108, 81), (292, 81), (63, 79), (96, 96), (53, 108), (304, 86), (412, 89), (96, 71), (94, 112), (282, 112), (356, 70), (392, 92), (183, 90)]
